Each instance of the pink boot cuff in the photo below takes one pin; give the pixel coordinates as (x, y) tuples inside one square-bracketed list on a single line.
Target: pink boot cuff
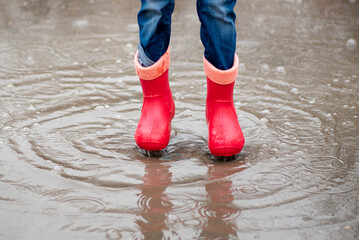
[(222, 77), (154, 71)]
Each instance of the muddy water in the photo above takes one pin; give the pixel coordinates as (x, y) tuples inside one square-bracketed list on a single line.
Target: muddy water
[(70, 102)]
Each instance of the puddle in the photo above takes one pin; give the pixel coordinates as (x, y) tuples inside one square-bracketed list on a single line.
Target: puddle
[(70, 102)]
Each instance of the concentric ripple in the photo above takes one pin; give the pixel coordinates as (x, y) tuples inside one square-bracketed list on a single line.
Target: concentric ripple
[(107, 66), (82, 204), (353, 199), (270, 180), (252, 127), (222, 211), (300, 128), (28, 59), (325, 164)]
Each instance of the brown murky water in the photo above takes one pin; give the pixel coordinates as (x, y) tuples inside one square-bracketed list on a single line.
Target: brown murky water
[(70, 102)]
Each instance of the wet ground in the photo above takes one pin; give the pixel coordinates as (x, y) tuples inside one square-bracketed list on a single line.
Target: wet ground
[(70, 102)]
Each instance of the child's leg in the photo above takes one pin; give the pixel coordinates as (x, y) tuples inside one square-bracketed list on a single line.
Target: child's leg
[(152, 62), (218, 32), (154, 21)]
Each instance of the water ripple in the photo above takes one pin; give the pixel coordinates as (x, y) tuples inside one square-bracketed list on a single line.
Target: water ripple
[(70, 102), (182, 203), (76, 205), (353, 199), (325, 164), (271, 180), (107, 66), (30, 59), (224, 211)]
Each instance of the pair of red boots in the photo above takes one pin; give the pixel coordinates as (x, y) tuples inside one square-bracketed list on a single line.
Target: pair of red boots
[(225, 137)]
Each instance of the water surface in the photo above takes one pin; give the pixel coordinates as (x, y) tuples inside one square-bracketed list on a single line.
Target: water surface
[(70, 102)]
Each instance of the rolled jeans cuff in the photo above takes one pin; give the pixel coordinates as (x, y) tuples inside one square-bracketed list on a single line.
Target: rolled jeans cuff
[(142, 57)]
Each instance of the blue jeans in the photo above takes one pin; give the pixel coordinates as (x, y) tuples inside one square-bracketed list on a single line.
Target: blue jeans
[(218, 32)]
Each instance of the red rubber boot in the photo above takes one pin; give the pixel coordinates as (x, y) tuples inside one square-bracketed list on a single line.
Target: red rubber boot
[(158, 109), (225, 137)]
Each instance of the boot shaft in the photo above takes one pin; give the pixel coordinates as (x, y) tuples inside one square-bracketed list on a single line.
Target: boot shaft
[(219, 92), (156, 87)]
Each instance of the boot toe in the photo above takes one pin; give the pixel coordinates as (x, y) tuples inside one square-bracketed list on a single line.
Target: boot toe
[(151, 141), (225, 142), (151, 146), (226, 148)]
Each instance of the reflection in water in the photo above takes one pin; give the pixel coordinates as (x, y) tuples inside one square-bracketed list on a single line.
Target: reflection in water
[(219, 211), (152, 200)]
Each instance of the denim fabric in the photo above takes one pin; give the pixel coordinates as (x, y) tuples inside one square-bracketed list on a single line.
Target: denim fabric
[(142, 57), (218, 32), (154, 20)]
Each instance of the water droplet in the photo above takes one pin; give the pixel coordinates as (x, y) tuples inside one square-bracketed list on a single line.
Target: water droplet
[(99, 107), (7, 128), (30, 60), (4, 115), (281, 70), (265, 67), (264, 120), (58, 169), (172, 217), (294, 90), (351, 44), (286, 124), (31, 108), (113, 234), (80, 23), (298, 153)]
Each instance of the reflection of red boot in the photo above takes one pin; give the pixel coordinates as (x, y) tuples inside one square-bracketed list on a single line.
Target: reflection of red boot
[(225, 137), (154, 128)]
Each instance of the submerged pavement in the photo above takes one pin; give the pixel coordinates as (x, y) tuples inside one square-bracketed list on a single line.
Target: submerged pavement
[(70, 102)]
